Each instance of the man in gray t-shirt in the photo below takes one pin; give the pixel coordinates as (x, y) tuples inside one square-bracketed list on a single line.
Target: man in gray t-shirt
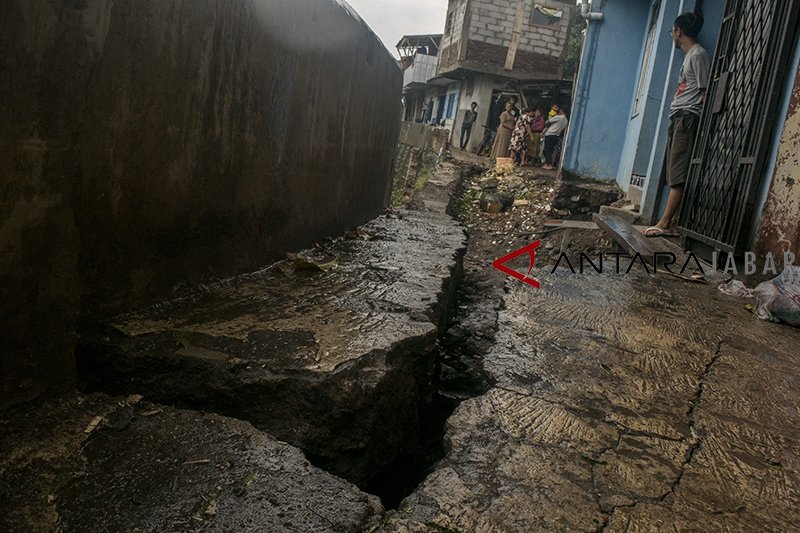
[(684, 117)]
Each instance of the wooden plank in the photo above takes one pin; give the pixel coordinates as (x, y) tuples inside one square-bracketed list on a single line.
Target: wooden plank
[(626, 235), (632, 240), (714, 277), (516, 35)]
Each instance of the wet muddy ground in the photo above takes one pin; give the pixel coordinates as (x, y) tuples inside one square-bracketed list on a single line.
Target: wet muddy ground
[(616, 403)]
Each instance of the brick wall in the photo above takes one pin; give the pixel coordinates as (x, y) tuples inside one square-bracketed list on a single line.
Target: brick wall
[(492, 23), (525, 61)]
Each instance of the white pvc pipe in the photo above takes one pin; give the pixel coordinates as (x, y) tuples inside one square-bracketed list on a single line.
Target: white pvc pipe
[(587, 13)]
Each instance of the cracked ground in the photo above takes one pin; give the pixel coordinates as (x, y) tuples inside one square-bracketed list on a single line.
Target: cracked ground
[(617, 403)]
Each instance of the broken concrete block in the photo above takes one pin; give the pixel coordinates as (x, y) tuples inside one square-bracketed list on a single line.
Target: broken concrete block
[(165, 469)]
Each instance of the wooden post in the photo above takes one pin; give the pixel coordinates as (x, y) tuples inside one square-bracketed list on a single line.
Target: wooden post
[(516, 35)]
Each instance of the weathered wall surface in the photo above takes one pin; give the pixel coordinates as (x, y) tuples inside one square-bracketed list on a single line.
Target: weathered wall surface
[(418, 149), (482, 31), (780, 231), (152, 142)]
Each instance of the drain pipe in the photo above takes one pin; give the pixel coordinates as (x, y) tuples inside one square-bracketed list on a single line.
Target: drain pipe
[(587, 13)]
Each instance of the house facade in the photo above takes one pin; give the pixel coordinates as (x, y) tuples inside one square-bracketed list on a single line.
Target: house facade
[(423, 94), (741, 194), (496, 48)]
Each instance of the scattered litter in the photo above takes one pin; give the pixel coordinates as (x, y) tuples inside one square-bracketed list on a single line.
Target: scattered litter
[(152, 412), (779, 300), (359, 234), (302, 261), (93, 424), (198, 462), (736, 288), (211, 510), (521, 203)]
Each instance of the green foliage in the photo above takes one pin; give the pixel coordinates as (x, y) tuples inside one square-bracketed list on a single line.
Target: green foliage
[(574, 43)]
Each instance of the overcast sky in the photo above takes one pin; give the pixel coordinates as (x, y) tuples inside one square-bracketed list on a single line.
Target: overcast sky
[(391, 19)]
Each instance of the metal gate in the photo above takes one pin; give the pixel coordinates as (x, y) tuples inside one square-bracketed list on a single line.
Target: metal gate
[(753, 53)]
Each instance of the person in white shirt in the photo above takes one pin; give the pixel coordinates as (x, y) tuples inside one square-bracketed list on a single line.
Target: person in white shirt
[(684, 117), (554, 129)]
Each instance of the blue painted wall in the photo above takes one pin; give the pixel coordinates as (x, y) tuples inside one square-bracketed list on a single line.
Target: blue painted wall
[(643, 125), (607, 80)]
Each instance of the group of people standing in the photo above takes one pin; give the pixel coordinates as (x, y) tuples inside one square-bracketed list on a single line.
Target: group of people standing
[(529, 137)]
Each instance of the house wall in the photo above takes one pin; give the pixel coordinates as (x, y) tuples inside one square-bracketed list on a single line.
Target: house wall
[(605, 88), (644, 120), (482, 89), (149, 143), (450, 47), (608, 139), (421, 70)]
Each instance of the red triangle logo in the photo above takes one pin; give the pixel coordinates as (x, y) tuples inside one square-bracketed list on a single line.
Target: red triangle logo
[(500, 264)]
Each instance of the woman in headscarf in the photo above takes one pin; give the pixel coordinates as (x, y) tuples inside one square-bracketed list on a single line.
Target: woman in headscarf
[(503, 138)]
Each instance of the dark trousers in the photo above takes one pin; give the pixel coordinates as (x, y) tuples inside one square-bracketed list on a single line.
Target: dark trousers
[(550, 147), (466, 133)]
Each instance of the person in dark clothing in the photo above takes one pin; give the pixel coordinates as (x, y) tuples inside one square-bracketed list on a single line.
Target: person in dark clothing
[(514, 109), (469, 121)]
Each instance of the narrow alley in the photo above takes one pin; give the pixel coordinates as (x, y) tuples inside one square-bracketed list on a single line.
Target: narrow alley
[(260, 274)]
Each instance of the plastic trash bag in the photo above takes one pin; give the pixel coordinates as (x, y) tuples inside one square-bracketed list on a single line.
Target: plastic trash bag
[(779, 300), (735, 288)]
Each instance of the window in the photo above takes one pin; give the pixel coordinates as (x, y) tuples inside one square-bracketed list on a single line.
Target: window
[(448, 25), (545, 16), (451, 106)]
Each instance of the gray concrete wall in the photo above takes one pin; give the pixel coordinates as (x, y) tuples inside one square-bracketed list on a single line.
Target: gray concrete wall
[(417, 154), (147, 143)]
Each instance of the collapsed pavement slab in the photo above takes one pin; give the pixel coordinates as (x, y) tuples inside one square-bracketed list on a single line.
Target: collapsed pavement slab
[(337, 362), (95, 463), (626, 403)]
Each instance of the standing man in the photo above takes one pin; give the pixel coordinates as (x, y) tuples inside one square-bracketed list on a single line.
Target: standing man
[(552, 139), (469, 121), (514, 108), (684, 117)]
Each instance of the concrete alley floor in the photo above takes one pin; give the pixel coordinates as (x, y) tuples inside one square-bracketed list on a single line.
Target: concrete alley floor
[(600, 402), (618, 403)]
